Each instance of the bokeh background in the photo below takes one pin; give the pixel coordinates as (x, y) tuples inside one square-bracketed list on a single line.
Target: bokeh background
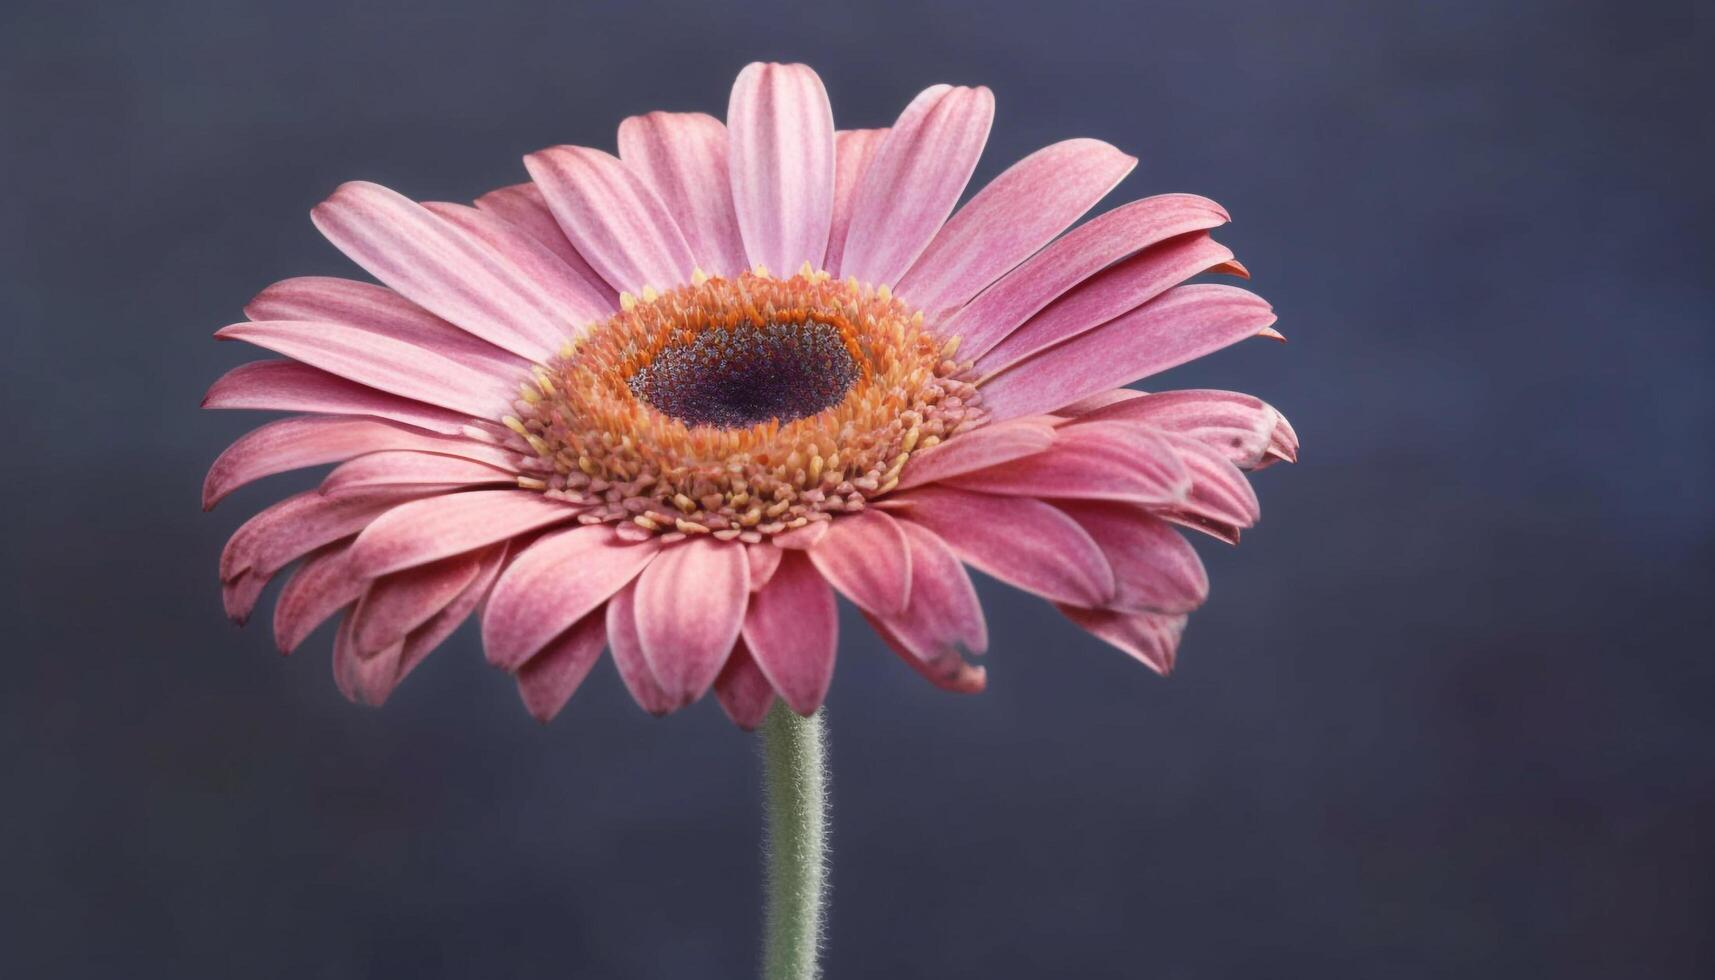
[(1448, 712)]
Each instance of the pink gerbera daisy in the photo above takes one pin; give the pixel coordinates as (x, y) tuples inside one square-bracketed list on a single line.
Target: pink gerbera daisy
[(670, 403)]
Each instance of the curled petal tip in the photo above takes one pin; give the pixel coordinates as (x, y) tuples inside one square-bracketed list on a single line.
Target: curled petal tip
[(1271, 334), (1231, 267)]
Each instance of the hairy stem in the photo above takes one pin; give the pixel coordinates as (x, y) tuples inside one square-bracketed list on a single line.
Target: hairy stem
[(795, 770)]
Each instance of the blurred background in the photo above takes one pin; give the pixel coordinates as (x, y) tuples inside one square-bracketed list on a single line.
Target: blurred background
[(1448, 713)]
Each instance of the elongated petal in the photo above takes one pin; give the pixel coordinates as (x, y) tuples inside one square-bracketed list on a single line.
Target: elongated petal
[(1182, 325), (323, 299), (781, 129), (1242, 426), (402, 468), (294, 527), (572, 302), (943, 621), (1093, 461), (546, 683), (440, 268), (1012, 218), (915, 179), (379, 361), (949, 672), (1155, 568), (1114, 291), (396, 604), (866, 557), (320, 587), (552, 584), (612, 217), (683, 158), (1152, 638), (1081, 253), (441, 526), (744, 693), (310, 440), (1023, 542), (627, 647), (1219, 490), (524, 207), (690, 607), (764, 562), (424, 639), (792, 629), (853, 151), (363, 680), (1282, 444), (288, 386), (801, 538), (979, 449)]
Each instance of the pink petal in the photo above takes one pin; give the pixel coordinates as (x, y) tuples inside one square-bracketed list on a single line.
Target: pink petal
[(381, 310), (380, 361), (450, 524), (1219, 490), (396, 604), (1006, 222), (1220, 531), (320, 587), (308, 440), (943, 621), (445, 271), (1083, 252), (1152, 638), (372, 679), (1241, 426), (613, 218), (425, 638), (764, 562), (949, 673), (1155, 568), (1023, 542), (853, 151), (1097, 401), (792, 629), (401, 468), (524, 206), (781, 129), (682, 156), (1182, 325), (690, 607), (294, 527), (866, 556), (546, 683), (744, 693), (363, 680), (627, 647), (978, 449), (552, 584), (1092, 461), (292, 387), (576, 303), (801, 538), (915, 179), (1282, 444), (1116, 290)]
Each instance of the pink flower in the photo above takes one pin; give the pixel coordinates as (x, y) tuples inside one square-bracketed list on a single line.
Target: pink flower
[(670, 403)]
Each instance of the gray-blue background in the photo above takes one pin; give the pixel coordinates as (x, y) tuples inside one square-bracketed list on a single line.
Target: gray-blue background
[(1448, 712)]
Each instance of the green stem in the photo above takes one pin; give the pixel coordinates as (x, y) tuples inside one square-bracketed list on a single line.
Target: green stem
[(796, 772)]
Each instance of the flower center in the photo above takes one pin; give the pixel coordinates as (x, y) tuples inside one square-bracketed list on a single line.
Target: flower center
[(740, 407), (749, 374)]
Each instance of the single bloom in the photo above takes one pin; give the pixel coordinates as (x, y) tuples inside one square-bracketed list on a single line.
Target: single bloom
[(670, 403)]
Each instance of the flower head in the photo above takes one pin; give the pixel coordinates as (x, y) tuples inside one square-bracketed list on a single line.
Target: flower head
[(671, 403)]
